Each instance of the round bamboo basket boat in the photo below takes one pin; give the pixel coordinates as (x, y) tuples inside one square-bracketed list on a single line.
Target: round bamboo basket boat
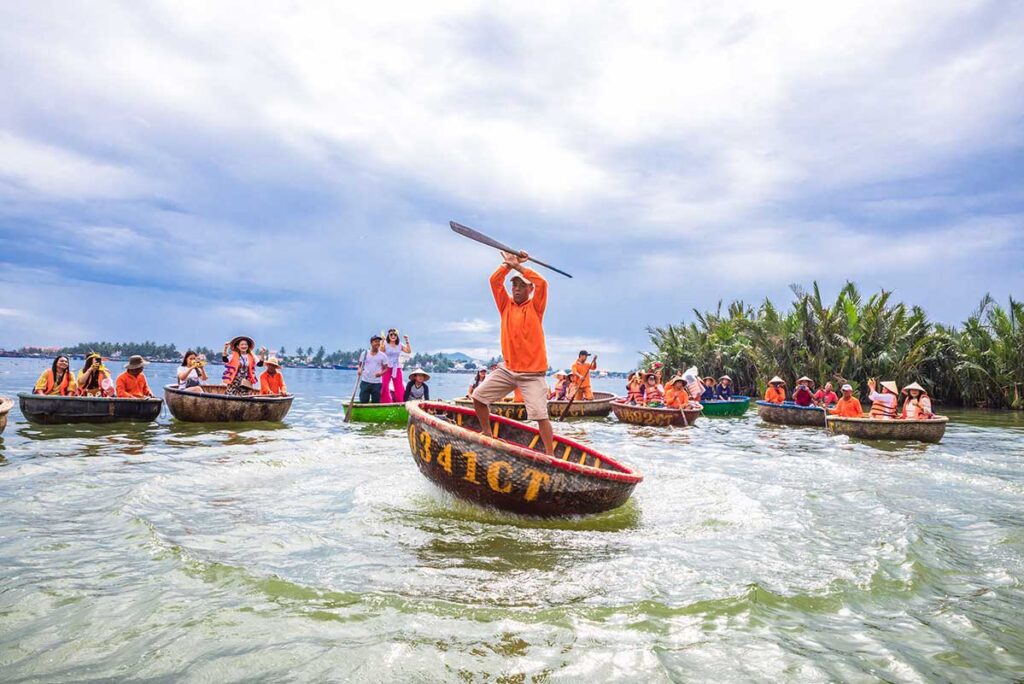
[(654, 417), (44, 409), (378, 413), (212, 405), (737, 406), (790, 414), (930, 430), (508, 469), (5, 407), (598, 407)]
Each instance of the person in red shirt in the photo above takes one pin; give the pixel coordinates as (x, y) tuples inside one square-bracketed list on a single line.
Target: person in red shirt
[(271, 380), (132, 383), (523, 348), (825, 396)]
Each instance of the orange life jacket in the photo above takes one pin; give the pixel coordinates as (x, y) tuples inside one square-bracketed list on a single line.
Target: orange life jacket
[(234, 363), (64, 383), (882, 411)]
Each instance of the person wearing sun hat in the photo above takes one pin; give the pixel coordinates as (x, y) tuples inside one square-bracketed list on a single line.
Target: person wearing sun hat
[(271, 380), (709, 389), (676, 395), (132, 383), (917, 405), (723, 390), (416, 389), (775, 393), (240, 366), (848, 405), (560, 391), (654, 393), (802, 394), (95, 379), (635, 388), (883, 404)]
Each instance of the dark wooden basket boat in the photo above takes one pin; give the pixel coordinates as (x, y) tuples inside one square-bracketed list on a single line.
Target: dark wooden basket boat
[(5, 407), (509, 469), (598, 407), (790, 414), (737, 406), (930, 430), (212, 405), (55, 410), (655, 417)]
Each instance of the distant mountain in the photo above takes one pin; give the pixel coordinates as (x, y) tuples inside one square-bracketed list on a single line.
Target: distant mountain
[(457, 357)]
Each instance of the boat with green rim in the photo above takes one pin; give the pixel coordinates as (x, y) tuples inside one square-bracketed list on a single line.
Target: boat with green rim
[(395, 414), (736, 406)]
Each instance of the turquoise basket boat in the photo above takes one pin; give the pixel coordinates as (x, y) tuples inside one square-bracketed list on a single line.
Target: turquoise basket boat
[(736, 406)]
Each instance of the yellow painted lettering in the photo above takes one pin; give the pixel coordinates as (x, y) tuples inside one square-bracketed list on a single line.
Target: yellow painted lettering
[(470, 468), (412, 438), (494, 475), (444, 459), (537, 479), (425, 448)]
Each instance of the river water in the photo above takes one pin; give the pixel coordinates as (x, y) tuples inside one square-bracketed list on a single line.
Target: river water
[(316, 551)]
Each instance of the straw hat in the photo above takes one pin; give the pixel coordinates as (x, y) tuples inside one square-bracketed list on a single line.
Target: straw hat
[(678, 378), (649, 375), (776, 380), (891, 386), (420, 371), (559, 374), (724, 377), (234, 343), (914, 386), (272, 361), (708, 378), (804, 378), (135, 362)]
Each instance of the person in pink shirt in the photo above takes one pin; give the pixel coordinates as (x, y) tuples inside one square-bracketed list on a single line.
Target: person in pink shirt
[(825, 396)]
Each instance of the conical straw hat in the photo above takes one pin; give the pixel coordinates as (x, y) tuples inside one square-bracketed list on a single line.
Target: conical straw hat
[(778, 380), (914, 386), (891, 386)]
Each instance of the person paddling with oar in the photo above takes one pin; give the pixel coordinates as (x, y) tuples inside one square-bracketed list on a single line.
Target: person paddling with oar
[(522, 346)]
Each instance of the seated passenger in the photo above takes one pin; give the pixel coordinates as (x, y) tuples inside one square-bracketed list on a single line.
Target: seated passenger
[(416, 389), (848, 406), (560, 392), (654, 394), (709, 389), (271, 380), (723, 390), (675, 393), (57, 380), (883, 404), (825, 396), (917, 406), (694, 387), (192, 372), (635, 389), (775, 393), (95, 380), (132, 383), (802, 395)]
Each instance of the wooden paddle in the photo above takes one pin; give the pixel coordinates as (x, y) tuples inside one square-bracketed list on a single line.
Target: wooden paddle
[(572, 399), (352, 401), (466, 231)]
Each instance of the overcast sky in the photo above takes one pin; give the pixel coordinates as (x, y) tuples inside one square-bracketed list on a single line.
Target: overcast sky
[(187, 171)]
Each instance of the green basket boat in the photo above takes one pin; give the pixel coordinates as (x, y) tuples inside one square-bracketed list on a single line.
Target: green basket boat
[(379, 413), (736, 406)]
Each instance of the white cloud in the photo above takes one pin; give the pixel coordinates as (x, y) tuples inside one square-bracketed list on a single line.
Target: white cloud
[(475, 326)]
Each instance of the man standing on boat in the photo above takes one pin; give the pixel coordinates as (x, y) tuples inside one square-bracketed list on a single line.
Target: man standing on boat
[(522, 346), (374, 364)]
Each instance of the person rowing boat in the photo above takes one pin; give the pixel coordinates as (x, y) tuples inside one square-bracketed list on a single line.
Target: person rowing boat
[(522, 346)]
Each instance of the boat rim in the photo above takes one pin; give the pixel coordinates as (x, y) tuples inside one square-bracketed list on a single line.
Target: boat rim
[(261, 398), (466, 399), (51, 397), (772, 404), (626, 474), (656, 409), (891, 421), (735, 400)]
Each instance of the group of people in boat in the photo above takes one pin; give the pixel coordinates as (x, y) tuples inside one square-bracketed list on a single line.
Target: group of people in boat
[(884, 397), (684, 390), (380, 372), (94, 380), (239, 377)]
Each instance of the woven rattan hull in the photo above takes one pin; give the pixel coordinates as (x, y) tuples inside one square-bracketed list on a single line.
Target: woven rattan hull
[(213, 406), (790, 414), (654, 417), (55, 410), (930, 430)]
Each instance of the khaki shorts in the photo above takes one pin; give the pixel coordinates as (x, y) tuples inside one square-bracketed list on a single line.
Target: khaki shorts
[(501, 381)]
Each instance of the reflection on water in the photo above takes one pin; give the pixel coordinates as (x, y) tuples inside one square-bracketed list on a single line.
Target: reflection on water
[(315, 550)]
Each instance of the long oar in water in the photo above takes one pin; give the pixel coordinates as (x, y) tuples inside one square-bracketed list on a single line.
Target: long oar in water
[(352, 401), (572, 399), (466, 231)]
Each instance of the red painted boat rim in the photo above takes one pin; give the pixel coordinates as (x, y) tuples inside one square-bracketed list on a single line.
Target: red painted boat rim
[(419, 412)]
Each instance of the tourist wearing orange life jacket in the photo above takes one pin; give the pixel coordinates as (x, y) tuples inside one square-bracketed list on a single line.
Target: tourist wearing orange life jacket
[(654, 394), (240, 366), (918, 405), (271, 381), (58, 380), (883, 404), (95, 379), (775, 394)]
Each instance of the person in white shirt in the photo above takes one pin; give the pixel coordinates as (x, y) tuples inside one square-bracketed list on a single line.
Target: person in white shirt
[(373, 364), (883, 404)]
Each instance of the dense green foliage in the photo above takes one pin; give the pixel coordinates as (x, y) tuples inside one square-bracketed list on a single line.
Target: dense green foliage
[(851, 339)]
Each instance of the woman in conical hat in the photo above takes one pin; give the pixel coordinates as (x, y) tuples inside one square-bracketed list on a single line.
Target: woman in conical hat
[(917, 405), (775, 394), (883, 404)]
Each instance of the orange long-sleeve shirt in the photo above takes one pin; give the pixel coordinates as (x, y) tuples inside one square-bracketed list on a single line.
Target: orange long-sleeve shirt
[(848, 408), (272, 384), (134, 386), (522, 329), (676, 398), (775, 395)]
